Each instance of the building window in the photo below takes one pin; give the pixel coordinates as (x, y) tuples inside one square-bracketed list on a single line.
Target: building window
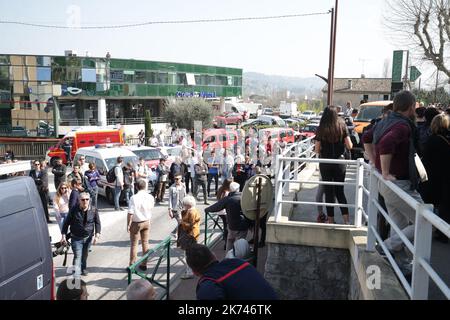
[(163, 77), (181, 78), (43, 74), (366, 97), (386, 97), (140, 77), (4, 72)]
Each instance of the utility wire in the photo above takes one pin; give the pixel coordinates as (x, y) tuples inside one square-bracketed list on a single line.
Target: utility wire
[(287, 16)]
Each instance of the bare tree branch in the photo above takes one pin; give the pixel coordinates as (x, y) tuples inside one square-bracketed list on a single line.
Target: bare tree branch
[(425, 23)]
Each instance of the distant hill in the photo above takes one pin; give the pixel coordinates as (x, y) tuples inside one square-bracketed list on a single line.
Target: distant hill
[(263, 84)]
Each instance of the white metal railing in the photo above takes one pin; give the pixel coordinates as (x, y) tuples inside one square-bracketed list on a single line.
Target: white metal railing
[(366, 206)]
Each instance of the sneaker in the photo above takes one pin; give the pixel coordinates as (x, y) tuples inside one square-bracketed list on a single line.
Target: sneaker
[(84, 273), (207, 203), (380, 250)]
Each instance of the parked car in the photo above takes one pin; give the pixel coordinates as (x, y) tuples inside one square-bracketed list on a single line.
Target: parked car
[(308, 114), (267, 111), (272, 120), (229, 118), (150, 154), (26, 263), (105, 158), (309, 130), (19, 132)]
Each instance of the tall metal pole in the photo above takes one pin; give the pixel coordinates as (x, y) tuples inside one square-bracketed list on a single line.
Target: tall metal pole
[(257, 222), (333, 33), (330, 63)]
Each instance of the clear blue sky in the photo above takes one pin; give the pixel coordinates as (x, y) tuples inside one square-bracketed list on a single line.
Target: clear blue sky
[(292, 47)]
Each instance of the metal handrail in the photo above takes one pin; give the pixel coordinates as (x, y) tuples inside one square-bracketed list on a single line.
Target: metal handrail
[(426, 219), (164, 247), (217, 223)]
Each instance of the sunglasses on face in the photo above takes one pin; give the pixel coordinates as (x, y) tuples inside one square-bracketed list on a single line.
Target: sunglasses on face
[(37, 164), (64, 188), (84, 199)]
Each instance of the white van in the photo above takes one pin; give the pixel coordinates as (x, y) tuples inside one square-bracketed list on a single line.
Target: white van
[(105, 158)]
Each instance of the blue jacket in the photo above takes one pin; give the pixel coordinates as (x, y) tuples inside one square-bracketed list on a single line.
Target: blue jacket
[(234, 279)]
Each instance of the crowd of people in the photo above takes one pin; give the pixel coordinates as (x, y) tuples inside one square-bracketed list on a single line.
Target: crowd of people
[(390, 142)]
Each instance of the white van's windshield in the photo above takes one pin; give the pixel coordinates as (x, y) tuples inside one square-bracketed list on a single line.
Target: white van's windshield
[(111, 162)]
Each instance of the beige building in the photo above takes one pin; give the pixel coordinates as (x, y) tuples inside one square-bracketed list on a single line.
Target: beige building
[(357, 89)]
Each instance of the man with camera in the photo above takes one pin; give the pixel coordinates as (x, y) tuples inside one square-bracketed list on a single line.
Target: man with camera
[(83, 221)]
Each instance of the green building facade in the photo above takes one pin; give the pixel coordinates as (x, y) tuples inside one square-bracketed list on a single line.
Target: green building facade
[(94, 90)]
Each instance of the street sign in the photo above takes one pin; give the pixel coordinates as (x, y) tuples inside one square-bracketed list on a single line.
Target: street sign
[(414, 73), (397, 66)]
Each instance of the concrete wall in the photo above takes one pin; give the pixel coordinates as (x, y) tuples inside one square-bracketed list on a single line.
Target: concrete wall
[(340, 99), (320, 261), (308, 273)]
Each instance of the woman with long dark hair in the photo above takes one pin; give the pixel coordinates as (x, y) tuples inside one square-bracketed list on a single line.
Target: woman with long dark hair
[(332, 138)]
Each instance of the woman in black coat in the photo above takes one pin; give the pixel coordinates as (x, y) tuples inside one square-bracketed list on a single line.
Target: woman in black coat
[(436, 159)]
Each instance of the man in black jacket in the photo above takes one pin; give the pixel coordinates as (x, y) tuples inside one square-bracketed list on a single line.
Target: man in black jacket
[(237, 224), (59, 172), (83, 221), (230, 279), (40, 178)]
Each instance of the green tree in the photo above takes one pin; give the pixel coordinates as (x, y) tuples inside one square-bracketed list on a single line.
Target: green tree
[(148, 127), (183, 113)]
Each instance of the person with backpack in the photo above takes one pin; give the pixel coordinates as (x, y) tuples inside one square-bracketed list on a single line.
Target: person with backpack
[(229, 279), (115, 175), (129, 175)]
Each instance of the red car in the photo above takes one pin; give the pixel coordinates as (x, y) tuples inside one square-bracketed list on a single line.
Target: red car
[(229, 118), (309, 130)]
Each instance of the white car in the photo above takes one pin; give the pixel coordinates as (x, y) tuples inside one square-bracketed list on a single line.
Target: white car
[(105, 158), (307, 115)]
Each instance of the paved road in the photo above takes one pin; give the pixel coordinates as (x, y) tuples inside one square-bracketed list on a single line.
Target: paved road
[(108, 260)]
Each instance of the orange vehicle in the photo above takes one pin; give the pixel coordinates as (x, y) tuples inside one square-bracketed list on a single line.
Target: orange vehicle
[(368, 112), (81, 139)]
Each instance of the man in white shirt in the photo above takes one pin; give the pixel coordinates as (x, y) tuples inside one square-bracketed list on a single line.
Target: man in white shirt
[(118, 172), (83, 165), (138, 222)]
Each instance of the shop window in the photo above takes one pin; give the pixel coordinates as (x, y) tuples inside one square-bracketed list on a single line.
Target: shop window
[(43, 74)]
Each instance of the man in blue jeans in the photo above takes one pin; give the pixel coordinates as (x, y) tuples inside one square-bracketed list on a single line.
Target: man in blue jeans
[(83, 222), (119, 183)]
